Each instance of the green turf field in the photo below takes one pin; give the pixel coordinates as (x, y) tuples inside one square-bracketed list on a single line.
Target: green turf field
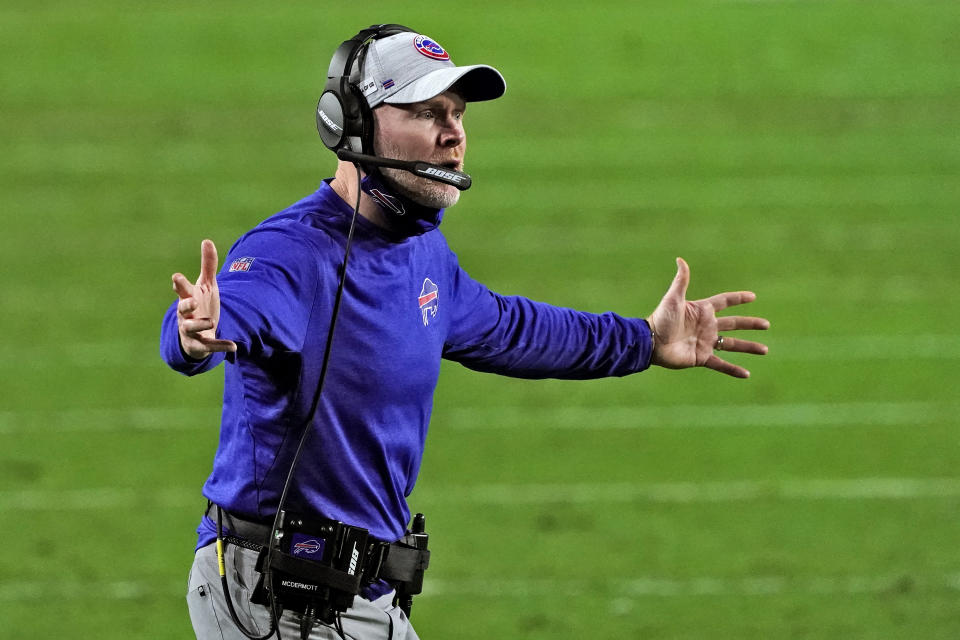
[(808, 150)]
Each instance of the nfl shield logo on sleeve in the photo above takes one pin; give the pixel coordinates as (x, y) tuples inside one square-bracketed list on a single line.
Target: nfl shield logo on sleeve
[(241, 264)]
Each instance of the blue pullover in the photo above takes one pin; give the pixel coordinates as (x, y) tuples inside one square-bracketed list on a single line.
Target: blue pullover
[(406, 304)]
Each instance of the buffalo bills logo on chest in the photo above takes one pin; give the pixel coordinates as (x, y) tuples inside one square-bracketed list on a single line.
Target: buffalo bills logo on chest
[(429, 48), (429, 300)]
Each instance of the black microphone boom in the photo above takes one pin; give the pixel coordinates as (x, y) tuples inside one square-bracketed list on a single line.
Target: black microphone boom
[(436, 172)]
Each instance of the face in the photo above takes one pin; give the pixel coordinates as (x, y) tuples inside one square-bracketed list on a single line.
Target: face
[(430, 131)]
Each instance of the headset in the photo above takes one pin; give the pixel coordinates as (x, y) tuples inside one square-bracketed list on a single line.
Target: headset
[(345, 120)]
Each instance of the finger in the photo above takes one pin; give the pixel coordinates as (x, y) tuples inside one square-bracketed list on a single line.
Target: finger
[(732, 323), (678, 288), (731, 298), (743, 346), (730, 369), (208, 262), (195, 326), (216, 344), (186, 307), (182, 286)]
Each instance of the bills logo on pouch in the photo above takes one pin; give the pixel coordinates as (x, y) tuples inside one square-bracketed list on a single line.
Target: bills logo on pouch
[(305, 545), (429, 300), (241, 264), (429, 48)]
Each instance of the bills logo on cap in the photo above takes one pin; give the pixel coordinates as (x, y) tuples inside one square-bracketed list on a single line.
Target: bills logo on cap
[(241, 264), (429, 48), (429, 300)]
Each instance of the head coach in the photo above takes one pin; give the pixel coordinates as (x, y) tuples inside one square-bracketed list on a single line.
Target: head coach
[(332, 317)]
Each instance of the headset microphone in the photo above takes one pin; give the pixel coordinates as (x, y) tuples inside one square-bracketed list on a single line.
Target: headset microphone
[(436, 172)]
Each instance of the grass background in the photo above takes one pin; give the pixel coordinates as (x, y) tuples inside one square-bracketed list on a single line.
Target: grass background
[(806, 150)]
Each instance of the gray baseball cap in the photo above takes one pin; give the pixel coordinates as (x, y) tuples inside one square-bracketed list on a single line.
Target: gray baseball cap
[(410, 67)]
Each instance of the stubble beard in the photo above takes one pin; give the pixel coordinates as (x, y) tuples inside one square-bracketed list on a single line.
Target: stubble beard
[(425, 192)]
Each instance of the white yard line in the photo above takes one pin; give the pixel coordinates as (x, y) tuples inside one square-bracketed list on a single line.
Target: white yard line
[(96, 498), (126, 355), (112, 419), (496, 416), (106, 354), (826, 414), (868, 347), (812, 489), (638, 587), (696, 492), (29, 590), (625, 590)]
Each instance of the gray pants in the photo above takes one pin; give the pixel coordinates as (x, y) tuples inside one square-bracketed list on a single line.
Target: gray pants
[(365, 620)]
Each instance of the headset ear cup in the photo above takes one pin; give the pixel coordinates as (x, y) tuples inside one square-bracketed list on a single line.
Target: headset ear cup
[(362, 123), (344, 119), (355, 115), (330, 120)]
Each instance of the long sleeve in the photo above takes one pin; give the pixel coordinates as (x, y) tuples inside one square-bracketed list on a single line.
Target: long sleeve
[(515, 336), (267, 286)]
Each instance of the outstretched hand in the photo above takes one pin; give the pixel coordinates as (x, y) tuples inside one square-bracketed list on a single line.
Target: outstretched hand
[(687, 331), (198, 310)]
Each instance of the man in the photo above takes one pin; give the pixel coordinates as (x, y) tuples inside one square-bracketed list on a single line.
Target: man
[(405, 304)]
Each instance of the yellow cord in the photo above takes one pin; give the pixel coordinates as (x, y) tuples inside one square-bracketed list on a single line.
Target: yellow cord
[(223, 567)]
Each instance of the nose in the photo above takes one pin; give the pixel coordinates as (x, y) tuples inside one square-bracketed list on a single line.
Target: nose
[(452, 133)]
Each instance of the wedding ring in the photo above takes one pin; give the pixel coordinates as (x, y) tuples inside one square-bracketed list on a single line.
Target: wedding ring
[(719, 345)]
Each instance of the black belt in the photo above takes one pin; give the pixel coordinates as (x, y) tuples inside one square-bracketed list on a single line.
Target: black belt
[(402, 562)]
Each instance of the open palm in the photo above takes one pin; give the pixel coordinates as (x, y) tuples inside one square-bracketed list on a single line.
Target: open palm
[(687, 331)]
